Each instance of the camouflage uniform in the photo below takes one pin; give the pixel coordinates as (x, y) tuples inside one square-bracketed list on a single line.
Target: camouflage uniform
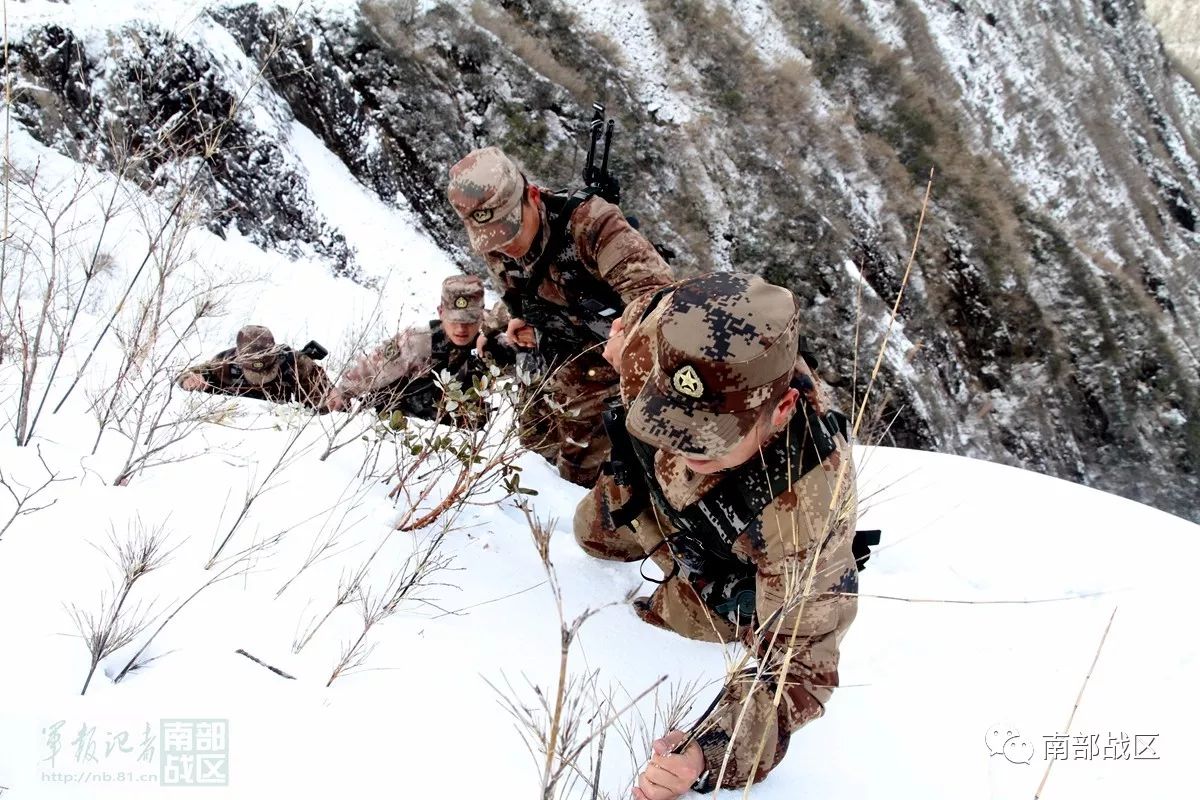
[(695, 374), (398, 375), (600, 251), (258, 369)]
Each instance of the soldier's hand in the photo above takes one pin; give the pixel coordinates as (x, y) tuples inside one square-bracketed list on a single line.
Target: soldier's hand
[(192, 381), (615, 344), (669, 776), (521, 333)]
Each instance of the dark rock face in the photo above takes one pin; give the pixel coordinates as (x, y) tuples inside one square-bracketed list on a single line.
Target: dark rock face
[(161, 112), (1050, 317)]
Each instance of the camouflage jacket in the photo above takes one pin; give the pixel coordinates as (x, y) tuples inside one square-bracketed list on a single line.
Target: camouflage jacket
[(796, 638), (300, 378), (399, 374), (600, 246)]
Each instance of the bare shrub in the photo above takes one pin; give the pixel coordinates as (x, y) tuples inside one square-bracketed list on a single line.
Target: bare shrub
[(235, 565), (39, 280), (22, 503), (436, 473), (118, 622), (406, 585), (138, 401), (54, 245), (289, 454)]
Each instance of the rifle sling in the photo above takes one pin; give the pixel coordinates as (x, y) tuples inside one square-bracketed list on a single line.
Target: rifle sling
[(740, 498), (592, 300)]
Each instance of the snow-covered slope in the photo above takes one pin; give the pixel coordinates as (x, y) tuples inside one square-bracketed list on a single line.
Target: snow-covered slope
[(944, 650), (982, 610)]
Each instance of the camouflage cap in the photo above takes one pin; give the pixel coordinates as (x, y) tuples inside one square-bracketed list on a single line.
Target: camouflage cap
[(462, 299), (724, 345), (255, 340), (486, 189), (256, 351)]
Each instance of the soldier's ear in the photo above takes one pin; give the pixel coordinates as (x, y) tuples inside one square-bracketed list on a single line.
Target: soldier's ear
[(785, 407), (533, 193)]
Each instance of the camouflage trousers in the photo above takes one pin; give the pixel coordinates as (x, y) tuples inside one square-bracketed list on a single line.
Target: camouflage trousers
[(562, 420), (674, 604)]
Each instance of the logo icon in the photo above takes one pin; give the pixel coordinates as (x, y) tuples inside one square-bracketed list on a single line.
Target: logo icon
[(460, 302), (1006, 741), (687, 382), (195, 752), (482, 215)]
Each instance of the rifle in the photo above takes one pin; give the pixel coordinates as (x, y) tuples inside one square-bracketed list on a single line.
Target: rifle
[(314, 350), (606, 185), (589, 323), (598, 177)]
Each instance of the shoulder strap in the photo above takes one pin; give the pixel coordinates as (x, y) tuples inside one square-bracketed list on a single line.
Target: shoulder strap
[(740, 498), (560, 222), (287, 365)]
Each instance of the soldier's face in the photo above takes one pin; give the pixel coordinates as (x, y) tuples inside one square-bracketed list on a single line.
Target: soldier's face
[(259, 378), (742, 452), (747, 448), (259, 369), (530, 222), (461, 333)]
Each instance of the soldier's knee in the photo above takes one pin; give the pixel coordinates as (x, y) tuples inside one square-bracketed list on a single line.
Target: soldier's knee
[(585, 513), (680, 609), (588, 526), (596, 534)]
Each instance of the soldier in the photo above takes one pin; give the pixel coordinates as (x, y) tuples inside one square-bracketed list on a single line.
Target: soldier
[(566, 267), (399, 375), (732, 474), (258, 369)]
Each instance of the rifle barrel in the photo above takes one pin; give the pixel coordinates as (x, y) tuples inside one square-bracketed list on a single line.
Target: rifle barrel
[(595, 127), (608, 133)]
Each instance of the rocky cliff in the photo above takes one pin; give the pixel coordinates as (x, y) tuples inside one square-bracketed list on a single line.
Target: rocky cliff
[(1051, 317)]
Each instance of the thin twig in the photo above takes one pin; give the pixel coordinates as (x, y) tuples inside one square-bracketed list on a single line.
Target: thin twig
[(276, 670), (1078, 699), (458, 611), (946, 601)]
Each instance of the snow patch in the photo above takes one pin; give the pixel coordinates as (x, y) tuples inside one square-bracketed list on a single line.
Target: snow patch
[(627, 24)]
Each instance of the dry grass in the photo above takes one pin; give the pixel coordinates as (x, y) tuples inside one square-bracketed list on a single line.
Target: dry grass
[(532, 51), (565, 727)]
